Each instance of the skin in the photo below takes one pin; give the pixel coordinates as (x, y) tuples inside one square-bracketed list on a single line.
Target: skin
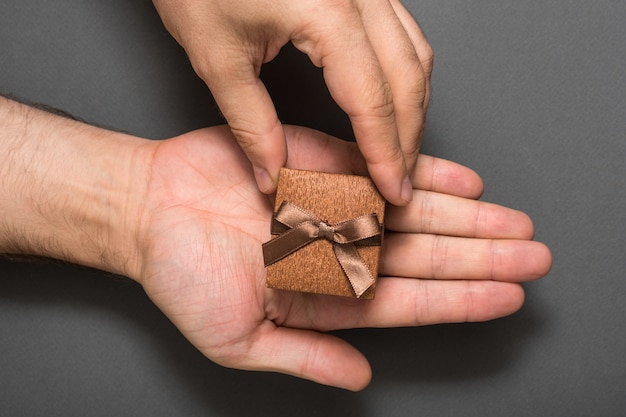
[(376, 61), (184, 218)]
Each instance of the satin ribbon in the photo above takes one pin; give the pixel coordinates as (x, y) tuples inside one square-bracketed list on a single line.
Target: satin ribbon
[(297, 228)]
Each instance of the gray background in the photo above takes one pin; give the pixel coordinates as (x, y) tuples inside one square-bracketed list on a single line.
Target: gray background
[(532, 95)]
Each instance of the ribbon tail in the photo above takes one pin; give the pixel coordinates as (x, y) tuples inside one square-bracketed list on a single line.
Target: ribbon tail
[(287, 243), (354, 267)]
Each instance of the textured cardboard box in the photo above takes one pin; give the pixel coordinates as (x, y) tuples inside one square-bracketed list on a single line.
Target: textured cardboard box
[(334, 199)]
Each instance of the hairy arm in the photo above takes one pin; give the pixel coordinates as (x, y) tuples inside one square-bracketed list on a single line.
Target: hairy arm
[(68, 190)]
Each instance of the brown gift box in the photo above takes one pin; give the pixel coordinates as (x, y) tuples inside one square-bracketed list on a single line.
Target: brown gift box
[(334, 199)]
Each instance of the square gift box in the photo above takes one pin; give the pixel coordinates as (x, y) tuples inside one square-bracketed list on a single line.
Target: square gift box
[(327, 230)]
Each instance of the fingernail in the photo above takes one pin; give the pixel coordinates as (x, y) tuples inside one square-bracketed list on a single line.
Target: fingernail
[(263, 180), (407, 190)]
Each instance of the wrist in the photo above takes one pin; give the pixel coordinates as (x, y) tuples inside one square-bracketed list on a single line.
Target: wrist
[(70, 191)]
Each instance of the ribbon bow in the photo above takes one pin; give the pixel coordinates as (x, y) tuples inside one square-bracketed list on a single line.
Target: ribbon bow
[(297, 228)]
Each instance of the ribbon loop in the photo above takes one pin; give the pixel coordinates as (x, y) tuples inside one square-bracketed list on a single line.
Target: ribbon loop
[(297, 228)]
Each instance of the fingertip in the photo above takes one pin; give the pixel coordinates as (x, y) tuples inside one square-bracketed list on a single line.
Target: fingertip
[(363, 380), (395, 195), (266, 183), (543, 260), (470, 181), (516, 299), (396, 188), (250, 113), (344, 367), (318, 357), (407, 190), (443, 176), (549, 259), (267, 151), (501, 300)]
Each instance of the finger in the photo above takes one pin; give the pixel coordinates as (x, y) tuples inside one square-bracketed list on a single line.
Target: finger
[(420, 43), (250, 113), (410, 302), (443, 176), (402, 69), (357, 82), (313, 150), (307, 354), (450, 258), (444, 214), (402, 302)]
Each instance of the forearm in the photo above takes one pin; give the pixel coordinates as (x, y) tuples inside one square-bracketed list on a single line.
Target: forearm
[(68, 190)]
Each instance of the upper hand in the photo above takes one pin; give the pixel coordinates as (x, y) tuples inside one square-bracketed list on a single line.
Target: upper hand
[(376, 61), (445, 258)]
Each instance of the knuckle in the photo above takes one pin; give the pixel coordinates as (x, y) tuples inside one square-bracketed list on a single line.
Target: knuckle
[(529, 227), (412, 149), (246, 136), (381, 152), (422, 303), (259, 141), (479, 221), (427, 58), (201, 68), (378, 101), (311, 360), (470, 307), (494, 254), (416, 87), (412, 91), (439, 257), (427, 213)]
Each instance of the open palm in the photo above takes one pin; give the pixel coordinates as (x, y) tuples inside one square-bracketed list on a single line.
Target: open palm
[(446, 257)]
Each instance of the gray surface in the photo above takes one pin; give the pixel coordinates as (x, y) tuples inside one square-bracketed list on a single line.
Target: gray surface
[(532, 95)]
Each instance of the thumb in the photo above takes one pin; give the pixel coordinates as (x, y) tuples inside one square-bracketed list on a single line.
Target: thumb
[(250, 113), (307, 354)]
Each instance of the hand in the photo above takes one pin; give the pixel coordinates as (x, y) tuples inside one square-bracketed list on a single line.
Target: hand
[(446, 257), (184, 217), (376, 61)]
